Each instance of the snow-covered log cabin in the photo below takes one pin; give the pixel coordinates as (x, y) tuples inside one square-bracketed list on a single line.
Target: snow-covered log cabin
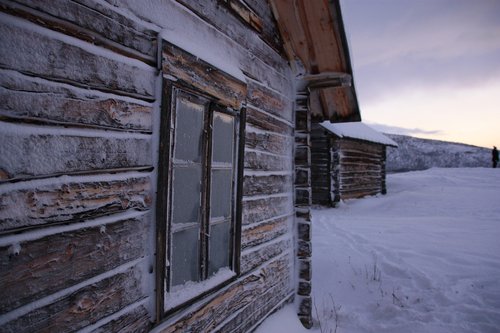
[(155, 160), (348, 161)]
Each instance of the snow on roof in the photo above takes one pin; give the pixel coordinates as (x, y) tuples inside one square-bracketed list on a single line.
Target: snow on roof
[(358, 130)]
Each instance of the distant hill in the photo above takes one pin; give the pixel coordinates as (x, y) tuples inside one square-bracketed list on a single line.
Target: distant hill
[(420, 154)]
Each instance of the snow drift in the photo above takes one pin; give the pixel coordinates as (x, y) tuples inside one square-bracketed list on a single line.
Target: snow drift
[(424, 258)]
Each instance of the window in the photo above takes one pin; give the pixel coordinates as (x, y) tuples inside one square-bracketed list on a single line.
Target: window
[(198, 225)]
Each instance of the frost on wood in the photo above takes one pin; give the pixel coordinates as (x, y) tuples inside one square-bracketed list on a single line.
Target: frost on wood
[(270, 284), (24, 155), (266, 184), (92, 21), (83, 307), (33, 50), (266, 231), (71, 201), (27, 98), (41, 266), (261, 209)]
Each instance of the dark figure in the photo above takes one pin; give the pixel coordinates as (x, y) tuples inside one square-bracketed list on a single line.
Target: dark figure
[(494, 156)]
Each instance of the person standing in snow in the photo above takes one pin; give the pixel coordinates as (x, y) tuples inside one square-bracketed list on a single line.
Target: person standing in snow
[(494, 156)]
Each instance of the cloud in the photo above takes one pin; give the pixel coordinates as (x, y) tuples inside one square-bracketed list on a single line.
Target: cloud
[(385, 31), (424, 43), (403, 130)]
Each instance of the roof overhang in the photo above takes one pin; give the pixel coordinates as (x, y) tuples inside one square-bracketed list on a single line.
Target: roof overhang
[(316, 45)]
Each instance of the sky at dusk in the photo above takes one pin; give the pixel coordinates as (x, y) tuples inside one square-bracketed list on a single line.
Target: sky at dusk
[(428, 68)]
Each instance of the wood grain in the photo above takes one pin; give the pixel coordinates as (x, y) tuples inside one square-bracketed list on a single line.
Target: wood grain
[(71, 201), (25, 99), (83, 307), (90, 21), (46, 265), (38, 54), (24, 155)]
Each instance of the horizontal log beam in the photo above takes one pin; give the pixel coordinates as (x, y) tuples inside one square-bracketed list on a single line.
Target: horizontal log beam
[(270, 101), (203, 76), (27, 99), (38, 204), (266, 122), (327, 79), (268, 142), (84, 306), (28, 152), (258, 210), (253, 258), (34, 51), (90, 21), (266, 184), (264, 162), (263, 232), (40, 267)]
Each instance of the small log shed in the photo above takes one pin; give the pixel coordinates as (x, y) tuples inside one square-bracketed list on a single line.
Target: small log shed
[(348, 161)]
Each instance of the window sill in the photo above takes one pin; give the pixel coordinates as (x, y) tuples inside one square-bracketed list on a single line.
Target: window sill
[(192, 290)]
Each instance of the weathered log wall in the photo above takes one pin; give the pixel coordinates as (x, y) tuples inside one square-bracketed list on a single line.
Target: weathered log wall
[(79, 113), (345, 168), (320, 166), (361, 168), (77, 93)]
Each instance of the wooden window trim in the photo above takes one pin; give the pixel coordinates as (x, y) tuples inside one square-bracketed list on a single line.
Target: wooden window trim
[(163, 232)]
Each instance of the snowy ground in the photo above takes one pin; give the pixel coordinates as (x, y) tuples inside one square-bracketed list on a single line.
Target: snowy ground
[(423, 258)]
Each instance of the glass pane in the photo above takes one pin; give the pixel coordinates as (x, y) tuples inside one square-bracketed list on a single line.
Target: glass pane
[(222, 191), (186, 194), (220, 236), (188, 130), (223, 138), (185, 256)]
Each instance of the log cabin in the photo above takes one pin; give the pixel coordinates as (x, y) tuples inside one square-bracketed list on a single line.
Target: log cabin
[(348, 161), (155, 160)]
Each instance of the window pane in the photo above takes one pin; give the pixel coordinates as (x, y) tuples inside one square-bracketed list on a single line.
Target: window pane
[(221, 188), (186, 194), (185, 256), (220, 236), (188, 130), (223, 137)]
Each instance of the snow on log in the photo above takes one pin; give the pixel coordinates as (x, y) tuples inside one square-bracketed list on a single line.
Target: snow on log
[(268, 142), (37, 51), (134, 321), (267, 122), (266, 162), (231, 26), (71, 199), (270, 101), (235, 299), (27, 151), (256, 256), (258, 210), (84, 306), (191, 70), (266, 231), (55, 262), (91, 21), (25, 98), (266, 184)]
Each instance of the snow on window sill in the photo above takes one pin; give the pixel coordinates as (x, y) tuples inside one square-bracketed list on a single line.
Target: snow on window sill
[(189, 290)]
